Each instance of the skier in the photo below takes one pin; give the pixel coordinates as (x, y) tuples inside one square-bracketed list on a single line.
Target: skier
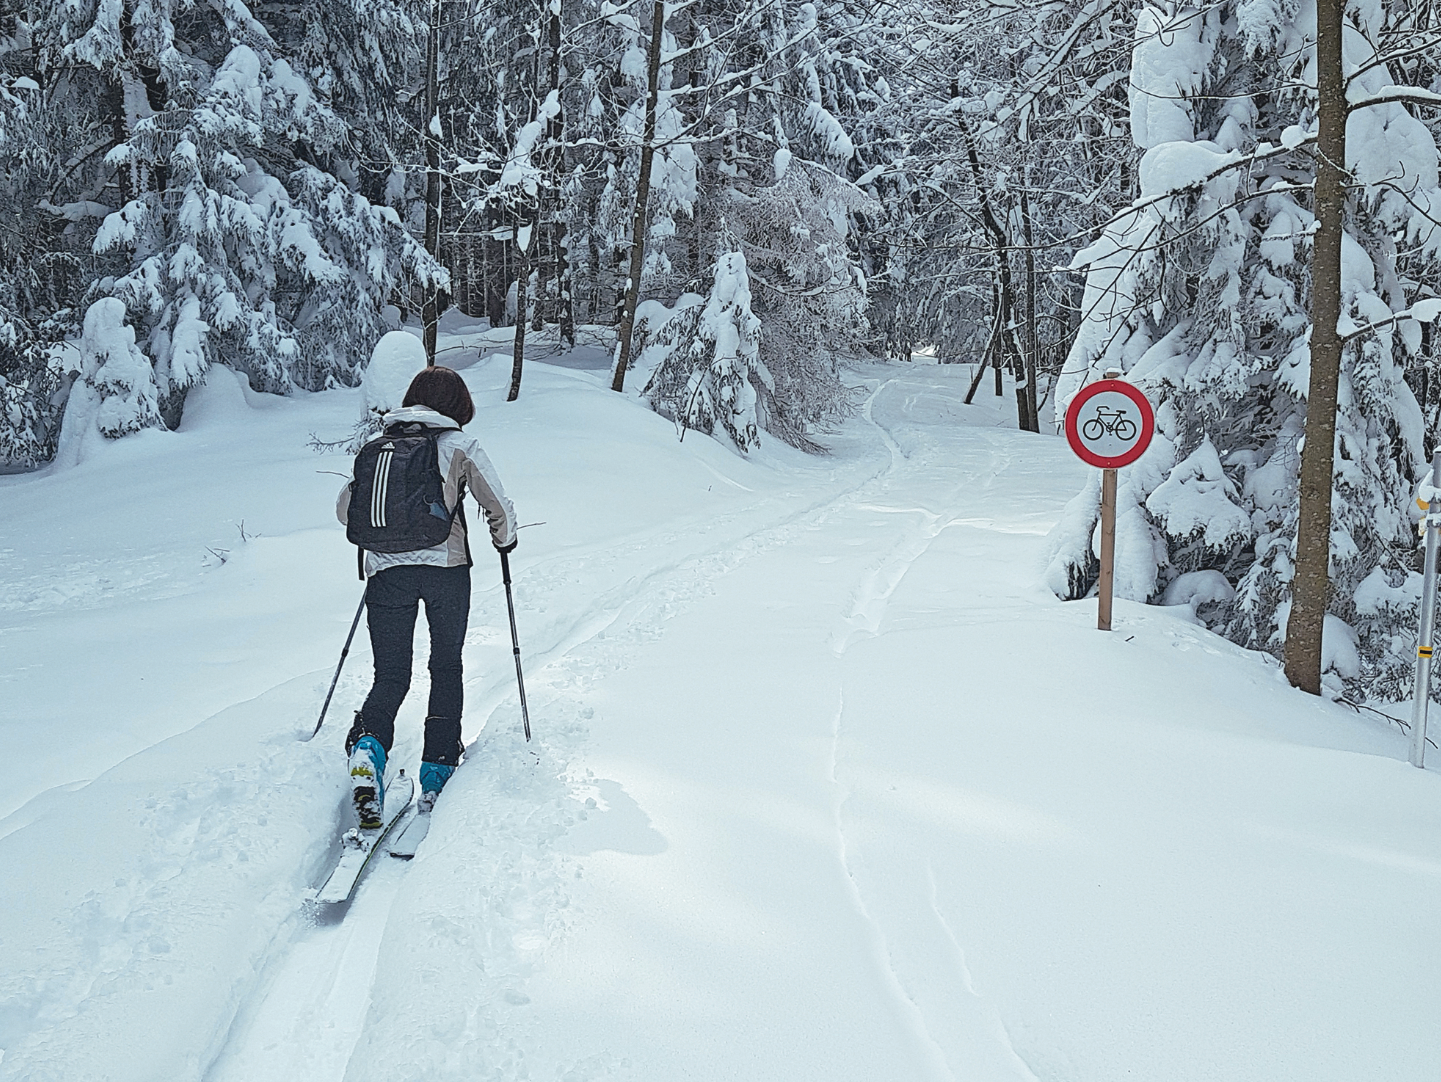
[(437, 406)]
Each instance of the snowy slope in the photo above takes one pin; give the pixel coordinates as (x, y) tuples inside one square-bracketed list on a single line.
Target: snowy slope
[(824, 785)]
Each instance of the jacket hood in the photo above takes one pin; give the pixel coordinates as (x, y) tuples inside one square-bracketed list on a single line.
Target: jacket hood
[(423, 414)]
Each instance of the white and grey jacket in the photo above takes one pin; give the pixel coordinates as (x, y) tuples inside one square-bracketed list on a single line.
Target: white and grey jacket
[(461, 462)]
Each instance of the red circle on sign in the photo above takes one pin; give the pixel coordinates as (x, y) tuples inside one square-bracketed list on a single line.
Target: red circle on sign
[(1111, 429)]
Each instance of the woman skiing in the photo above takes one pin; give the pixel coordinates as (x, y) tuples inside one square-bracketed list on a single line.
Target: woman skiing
[(378, 505)]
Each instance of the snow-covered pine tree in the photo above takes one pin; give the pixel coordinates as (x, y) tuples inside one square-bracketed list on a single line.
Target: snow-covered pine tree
[(226, 242), (1200, 295), (772, 162), (49, 151), (711, 374)]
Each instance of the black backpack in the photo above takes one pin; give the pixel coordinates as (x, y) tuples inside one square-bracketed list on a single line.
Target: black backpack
[(397, 500)]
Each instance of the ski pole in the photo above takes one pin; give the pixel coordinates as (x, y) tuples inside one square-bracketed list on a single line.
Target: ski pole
[(353, 625), (515, 641)]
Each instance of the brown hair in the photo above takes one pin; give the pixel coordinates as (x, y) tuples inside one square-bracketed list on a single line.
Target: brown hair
[(442, 390)]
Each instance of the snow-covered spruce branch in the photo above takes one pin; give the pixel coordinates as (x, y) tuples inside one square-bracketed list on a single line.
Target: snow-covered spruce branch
[(1385, 59), (1397, 95), (1423, 311)]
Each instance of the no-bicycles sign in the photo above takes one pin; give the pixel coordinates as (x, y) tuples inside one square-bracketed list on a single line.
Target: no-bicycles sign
[(1109, 424)]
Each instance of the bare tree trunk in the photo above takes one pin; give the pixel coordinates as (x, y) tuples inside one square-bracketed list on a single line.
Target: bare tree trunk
[(1033, 410), (542, 260), (988, 354), (497, 283), (1310, 586), (430, 312), (524, 237), (1009, 347), (642, 197), (564, 310)]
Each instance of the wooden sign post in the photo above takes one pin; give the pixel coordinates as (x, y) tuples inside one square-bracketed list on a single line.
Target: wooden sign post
[(1109, 424)]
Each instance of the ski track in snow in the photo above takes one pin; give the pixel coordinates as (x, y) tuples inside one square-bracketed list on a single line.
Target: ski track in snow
[(579, 648), (868, 606), (908, 1012)]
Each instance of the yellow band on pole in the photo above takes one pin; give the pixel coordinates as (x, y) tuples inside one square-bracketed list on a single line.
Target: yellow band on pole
[(1423, 651)]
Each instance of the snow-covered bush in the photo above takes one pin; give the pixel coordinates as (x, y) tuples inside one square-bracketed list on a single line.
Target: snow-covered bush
[(711, 371), (395, 361), (1200, 294), (117, 392)]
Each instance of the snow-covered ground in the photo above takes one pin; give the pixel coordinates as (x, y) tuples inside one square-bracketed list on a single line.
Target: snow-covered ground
[(824, 785)]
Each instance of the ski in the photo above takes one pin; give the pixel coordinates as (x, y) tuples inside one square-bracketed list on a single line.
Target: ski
[(405, 845), (357, 846)]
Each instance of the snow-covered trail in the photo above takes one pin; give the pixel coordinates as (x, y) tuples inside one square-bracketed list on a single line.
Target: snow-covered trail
[(824, 786), (151, 807), (305, 1018), (876, 806)]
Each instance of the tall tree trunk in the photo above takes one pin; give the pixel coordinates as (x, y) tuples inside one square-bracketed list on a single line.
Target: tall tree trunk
[(1310, 586), (555, 138), (543, 256), (642, 197), (524, 238), (1033, 409), (430, 312), (497, 282)]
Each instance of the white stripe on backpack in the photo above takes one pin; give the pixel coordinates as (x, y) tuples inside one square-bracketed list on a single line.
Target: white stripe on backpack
[(377, 493)]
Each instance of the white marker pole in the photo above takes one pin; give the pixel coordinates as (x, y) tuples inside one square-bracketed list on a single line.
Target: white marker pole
[(1425, 641)]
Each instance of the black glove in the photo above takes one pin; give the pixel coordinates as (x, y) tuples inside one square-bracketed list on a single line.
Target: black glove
[(506, 550)]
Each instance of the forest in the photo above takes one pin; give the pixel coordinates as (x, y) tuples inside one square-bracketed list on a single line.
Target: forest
[(749, 194)]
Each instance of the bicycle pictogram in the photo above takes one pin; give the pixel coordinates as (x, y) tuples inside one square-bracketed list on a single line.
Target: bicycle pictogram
[(1106, 420)]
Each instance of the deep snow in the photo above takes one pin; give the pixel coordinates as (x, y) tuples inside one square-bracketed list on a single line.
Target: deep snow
[(825, 785)]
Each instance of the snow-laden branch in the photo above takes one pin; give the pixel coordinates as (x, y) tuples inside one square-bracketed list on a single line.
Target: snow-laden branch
[(1388, 95), (1423, 311)]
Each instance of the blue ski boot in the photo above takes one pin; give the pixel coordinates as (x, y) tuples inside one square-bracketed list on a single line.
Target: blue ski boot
[(367, 787), (433, 777)]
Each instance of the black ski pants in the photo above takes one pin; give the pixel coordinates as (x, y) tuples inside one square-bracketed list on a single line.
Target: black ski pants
[(392, 598)]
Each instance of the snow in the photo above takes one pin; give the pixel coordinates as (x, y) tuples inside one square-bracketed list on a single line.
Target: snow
[(825, 783), (1167, 63), (782, 161), (1170, 167), (394, 362), (1426, 311), (1197, 500)]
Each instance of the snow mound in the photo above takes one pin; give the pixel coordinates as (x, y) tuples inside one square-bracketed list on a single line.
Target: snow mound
[(397, 357), (1197, 588)]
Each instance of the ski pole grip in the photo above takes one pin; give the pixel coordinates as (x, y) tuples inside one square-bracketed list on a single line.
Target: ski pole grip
[(505, 567)]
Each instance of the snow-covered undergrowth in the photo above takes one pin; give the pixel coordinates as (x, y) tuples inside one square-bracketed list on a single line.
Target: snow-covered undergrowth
[(825, 784)]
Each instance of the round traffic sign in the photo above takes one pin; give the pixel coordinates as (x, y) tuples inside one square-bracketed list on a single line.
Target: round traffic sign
[(1109, 424)]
